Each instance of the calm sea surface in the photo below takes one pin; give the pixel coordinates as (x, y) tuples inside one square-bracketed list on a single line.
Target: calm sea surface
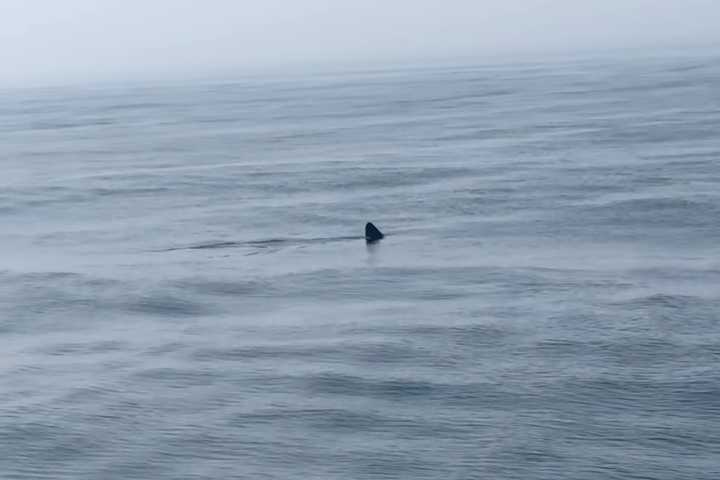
[(185, 292)]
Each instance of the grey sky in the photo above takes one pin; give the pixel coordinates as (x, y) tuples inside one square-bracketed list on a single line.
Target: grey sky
[(71, 40)]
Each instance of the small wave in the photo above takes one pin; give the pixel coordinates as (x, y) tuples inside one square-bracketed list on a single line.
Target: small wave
[(166, 306), (663, 300), (127, 192), (224, 288), (85, 348), (176, 377), (64, 125), (342, 384), (659, 211)]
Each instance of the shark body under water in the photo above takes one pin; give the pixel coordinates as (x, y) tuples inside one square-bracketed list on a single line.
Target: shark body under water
[(372, 235)]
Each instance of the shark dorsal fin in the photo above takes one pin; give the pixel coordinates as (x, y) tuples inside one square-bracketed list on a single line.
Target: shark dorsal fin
[(372, 234)]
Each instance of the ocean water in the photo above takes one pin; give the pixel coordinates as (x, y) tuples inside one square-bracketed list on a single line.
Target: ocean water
[(185, 292)]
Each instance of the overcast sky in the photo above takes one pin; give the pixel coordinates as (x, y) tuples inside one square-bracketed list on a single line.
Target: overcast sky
[(72, 40)]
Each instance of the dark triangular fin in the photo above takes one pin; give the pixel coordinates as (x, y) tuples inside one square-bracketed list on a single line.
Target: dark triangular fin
[(372, 234)]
